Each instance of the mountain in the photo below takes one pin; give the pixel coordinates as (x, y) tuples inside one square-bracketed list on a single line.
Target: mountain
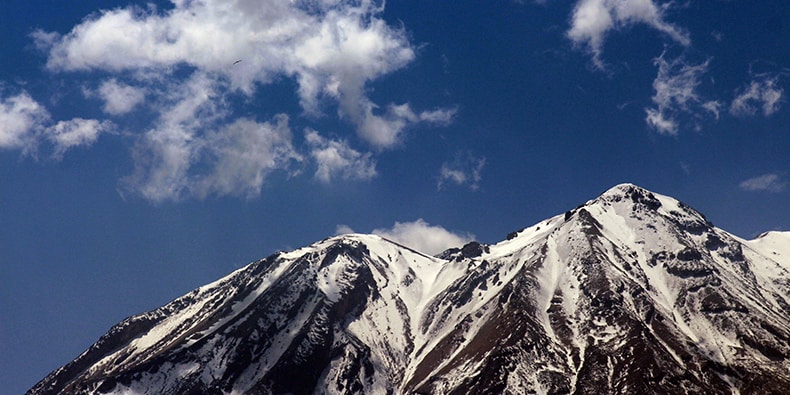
[(631, 293)]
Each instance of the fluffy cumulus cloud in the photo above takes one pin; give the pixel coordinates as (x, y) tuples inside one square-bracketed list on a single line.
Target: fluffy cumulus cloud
[(185, 64), (763, 94), (464, 169), (21, 118), (676, 94), (593, 20), (766, 182), (25, 124), (331, 49), (335, 159), (424, 237)]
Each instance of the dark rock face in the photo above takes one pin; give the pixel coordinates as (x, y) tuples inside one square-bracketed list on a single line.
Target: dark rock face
[(473, 250), (631, 293)]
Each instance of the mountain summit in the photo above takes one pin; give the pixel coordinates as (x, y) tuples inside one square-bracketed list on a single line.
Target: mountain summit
[(631, 293)]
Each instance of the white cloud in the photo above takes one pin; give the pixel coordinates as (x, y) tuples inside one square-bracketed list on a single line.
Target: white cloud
[(162, 158), (659, 121), (676, 93), (593, 20), (21, 119), (762, 94), (336, 159), (25, 124), (333, 49), (713, 107), (120, 98), (343, 230), (191, 151), (424, 237), (465, 169), (439, 116), (766, 182), (243, 153), (385, 130), (74, 133), (183, 63), (164, 154)]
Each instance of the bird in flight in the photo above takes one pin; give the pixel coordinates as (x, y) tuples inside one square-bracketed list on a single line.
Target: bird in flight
[(237, 62)]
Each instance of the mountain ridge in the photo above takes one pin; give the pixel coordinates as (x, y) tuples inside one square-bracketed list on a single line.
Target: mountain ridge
[(630, 292)]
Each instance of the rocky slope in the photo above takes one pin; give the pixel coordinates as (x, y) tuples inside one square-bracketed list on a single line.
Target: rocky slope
[(631, 293)]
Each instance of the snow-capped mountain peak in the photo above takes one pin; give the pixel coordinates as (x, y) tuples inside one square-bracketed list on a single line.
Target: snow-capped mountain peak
[(631, 292)]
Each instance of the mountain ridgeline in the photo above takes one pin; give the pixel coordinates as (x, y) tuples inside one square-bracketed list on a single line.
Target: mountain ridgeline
[(630, 293)]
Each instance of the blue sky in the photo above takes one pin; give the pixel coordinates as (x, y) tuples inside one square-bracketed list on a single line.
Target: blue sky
[(149, 148)]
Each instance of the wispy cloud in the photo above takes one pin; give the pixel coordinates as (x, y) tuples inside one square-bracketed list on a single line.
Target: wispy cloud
[(241, 154), (192, 150), (165, 153), (119, 98), (464, 169), (676, 94), (593, 20), (766, 182), (386, 130), (335, 159), (677, 101), (424, 237), (77, 132), (763, 94)]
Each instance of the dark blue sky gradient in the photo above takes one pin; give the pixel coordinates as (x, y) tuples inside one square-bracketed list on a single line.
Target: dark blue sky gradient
[(78, 253)]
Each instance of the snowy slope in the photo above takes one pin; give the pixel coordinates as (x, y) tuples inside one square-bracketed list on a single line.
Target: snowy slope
[(632, 292), (628, 286)]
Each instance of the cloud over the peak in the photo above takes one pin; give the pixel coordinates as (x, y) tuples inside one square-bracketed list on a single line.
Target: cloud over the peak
[(593, 20), (423, 237)]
